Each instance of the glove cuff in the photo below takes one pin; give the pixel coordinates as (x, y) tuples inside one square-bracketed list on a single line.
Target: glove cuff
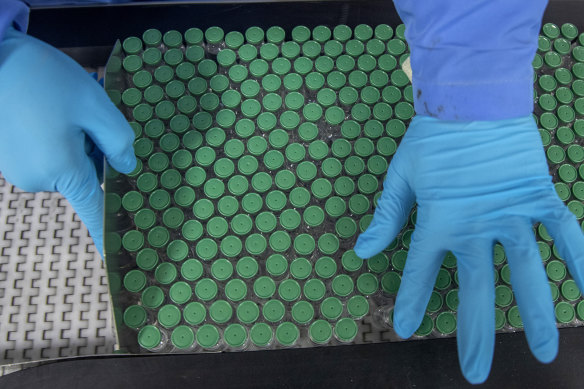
[(13, 13)]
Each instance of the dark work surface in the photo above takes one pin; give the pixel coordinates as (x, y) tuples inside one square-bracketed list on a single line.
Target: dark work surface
[(413, 364)]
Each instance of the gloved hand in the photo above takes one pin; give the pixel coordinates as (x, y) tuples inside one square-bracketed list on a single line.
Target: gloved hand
[(475, 183), (50, 109)]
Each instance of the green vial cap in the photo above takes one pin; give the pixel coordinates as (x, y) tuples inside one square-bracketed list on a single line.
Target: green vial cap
[(446, 323), (152, 297), (556, 270), (348, 95), (142, 113), (332, 167), (221, 269), (172, 38), (254, 35), (379, 263), (354, 165), (133, 240), (247, 267), (281, 66), (333, 48), (331, 308), (344, 186), (250, 108), (191, 270), (367, 63), (302, 312), (177, 250), (361, 112), (383, 32), (569, 31), (375, 47), (132, 201), (180, 292), (173, 57), (299, 197), (308, 131), (300, 268), (314, 289), (195, 176), (149, 337), (171, 179), (314, 81), (343, 285), (131, 97), (165, 273), (234, 148), (318, 150), (324, 64), (292, 83), (264, 287), (287, 334), (238, 73), (158, 236), (273, 159), (182, 337), (276, 264), (255, 244), (147, 259), (261, 334), (570, 290), (358, 306), (206, 289), (285, 180), (556, 154), (231, 98), (235, 335), (552, 59), (334, 115), (503, 296), (235, 290), (289, 290), (295, 152), (404, 111), (564, 312), (341, 148), (290, 50), (311, 49), (514, 318), (320, 332), (350, 261), (578, 190), (328, 243), (159, 199), (280, 241), (208, 336), (580, 310), (135, 316), (233, 40), (271, 83), (206, 249), (346, 329), (214, 35), (266, 222), (194, 36), (313, 216), (304, 244), (390, 282), (325, 267), (247, 312), (152, 37), (303, 65), (326, 97), (576, 208), (258, 68), (567, 173), (142, 79), (261, 182), (195, 54), (134, 281), (226, 58), (396, 46), (267, 120), (290, 219), (132, 63), (275, 35), (247, 164)]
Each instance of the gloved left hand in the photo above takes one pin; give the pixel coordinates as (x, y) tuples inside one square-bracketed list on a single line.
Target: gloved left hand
[(50, 110)]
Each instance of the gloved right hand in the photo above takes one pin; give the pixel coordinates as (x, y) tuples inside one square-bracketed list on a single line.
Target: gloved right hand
[(49, 106)]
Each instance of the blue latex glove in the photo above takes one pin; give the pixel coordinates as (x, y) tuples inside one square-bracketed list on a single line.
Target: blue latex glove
[(52, 115), (475, 183)]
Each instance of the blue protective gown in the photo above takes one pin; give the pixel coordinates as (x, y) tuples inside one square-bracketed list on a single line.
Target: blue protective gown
[(471, 60)]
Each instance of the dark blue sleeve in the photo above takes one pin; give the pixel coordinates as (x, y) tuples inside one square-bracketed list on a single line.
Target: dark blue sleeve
[(13, 13), (471, 59)]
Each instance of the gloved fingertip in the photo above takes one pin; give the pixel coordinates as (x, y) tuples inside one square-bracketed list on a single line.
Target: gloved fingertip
[(126, 163), (545, 349), (368, 244), (476, 373), (403, 326)]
